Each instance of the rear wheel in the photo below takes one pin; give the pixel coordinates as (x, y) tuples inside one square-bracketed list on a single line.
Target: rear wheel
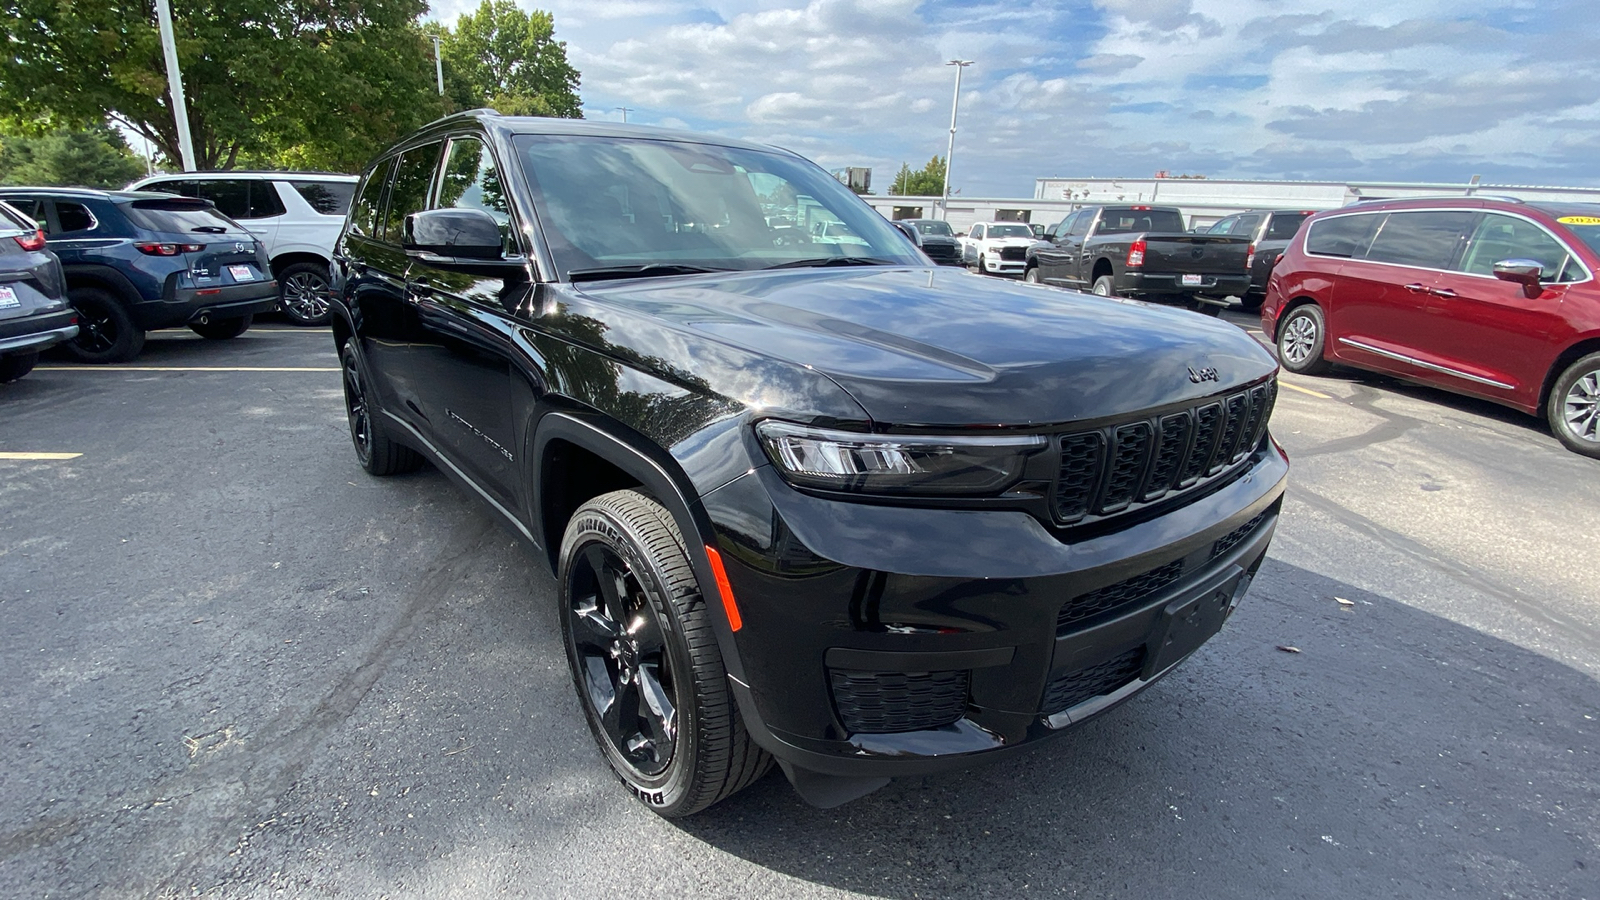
[(1574, 407), (221, 329), (1301, 337), (645, 661), (1103, 287), (379, 454), (1251, 302), (17, 365), (303, 293), (106, 332)]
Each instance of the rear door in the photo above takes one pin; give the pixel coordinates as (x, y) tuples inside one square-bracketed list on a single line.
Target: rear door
[(1381, 315), (1490, 335)]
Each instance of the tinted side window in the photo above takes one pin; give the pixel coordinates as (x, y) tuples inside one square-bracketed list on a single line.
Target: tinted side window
[(1224, 226), (1284, 225), (231, 198), (470, 181), (410, 192), (365, 218), (1080, 225), (1427, 239), (264, 200), (1345, 236), (331, 198), (1245, 226), (33, 209), (73, 217), (1505, 237), (185, 188)]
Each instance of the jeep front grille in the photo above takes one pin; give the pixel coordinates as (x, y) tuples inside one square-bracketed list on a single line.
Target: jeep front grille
[(1128, 465), (1067, 689), (888, 702)]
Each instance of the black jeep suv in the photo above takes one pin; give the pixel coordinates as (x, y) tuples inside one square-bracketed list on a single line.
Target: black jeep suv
[(807, 498)]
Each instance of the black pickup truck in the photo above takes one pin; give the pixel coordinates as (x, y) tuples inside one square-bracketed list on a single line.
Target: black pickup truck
[(1141, 251), (1269, 232)]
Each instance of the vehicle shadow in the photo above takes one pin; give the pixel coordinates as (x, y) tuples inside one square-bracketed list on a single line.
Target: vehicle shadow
[(1389, 753)]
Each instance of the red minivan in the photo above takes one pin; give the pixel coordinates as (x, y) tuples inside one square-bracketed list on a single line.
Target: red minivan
[(1486, 296)]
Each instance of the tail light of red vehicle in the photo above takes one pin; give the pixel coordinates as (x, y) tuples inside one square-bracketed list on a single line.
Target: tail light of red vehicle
[(168, 249), (1250, 256), (31, 242), (1136, 253)]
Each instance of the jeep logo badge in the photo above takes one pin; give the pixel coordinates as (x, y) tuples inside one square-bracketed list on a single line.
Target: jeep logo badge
[(1208, 373)]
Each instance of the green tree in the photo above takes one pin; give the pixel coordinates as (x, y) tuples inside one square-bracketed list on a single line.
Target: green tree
[(503, 57), (308, 82), (925, 182), (90, 157)]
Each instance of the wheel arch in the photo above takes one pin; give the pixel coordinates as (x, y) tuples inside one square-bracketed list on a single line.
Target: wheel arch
[(293, 257), (1289, 307), (1579, 349), (1102, 268), (104, 277)]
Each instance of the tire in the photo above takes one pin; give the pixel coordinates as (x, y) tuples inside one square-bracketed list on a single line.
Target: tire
[(1251, 303), (655, 692), (303, 293), (1573, 409), (379, 453), (222, 329), (106, 332), (17, 365), (982, 269), (1104, 287), (1031, 275), (1301, 337)]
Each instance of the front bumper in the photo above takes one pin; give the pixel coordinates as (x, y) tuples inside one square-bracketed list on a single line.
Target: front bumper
[(961, 634), (37, 332), (995, 264), (183, 306)]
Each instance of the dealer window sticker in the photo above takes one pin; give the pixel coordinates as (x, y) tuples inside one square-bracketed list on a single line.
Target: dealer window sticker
[(1579, 220)]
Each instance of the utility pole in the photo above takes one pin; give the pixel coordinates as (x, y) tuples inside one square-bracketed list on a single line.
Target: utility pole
[(438, 65), (180, 107), (625, 111), (949, 152)]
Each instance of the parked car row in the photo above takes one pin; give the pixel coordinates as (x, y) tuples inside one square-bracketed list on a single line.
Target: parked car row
[(34, 315)]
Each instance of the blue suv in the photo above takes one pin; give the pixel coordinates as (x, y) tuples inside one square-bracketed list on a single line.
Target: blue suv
[(136, 261)]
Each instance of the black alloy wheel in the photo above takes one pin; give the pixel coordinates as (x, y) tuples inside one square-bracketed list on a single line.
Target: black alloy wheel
[(378, 453), (106, 332), (645, 661), (303, 293)]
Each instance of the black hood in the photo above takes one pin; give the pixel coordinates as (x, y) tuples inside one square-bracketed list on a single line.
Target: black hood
[(940, 347)]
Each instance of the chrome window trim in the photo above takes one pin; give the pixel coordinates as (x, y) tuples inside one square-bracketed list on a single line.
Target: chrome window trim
[(1411, 360), (1306, 249)]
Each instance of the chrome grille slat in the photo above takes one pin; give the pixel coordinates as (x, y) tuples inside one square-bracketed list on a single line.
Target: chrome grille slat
[(1110, 470)]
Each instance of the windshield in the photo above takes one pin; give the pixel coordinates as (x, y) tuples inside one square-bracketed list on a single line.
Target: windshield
[(1127, 221), (606, 202), (938, 228), (1584, 228), (1000, 231)]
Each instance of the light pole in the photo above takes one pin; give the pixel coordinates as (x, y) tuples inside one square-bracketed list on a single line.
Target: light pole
[(180, 107), (438, 65), (955, 103), (625, 110)]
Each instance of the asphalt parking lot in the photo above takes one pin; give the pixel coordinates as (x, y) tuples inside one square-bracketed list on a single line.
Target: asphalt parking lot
[(235, 665)]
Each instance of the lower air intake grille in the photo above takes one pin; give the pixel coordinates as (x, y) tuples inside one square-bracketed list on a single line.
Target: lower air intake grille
[(1231, 539), (1068, 689), (888, 702), (1123, 593)]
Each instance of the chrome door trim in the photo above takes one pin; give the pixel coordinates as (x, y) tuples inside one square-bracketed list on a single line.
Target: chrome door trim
[(1413, 361)]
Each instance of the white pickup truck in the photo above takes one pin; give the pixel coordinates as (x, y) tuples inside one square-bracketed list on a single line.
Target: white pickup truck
[(999, 248)]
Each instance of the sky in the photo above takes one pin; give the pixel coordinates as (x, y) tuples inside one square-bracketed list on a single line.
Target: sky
[(1425, 90)]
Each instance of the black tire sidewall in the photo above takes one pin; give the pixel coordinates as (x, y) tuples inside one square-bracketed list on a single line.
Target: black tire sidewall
[(1031, 276), (1557, 402), (1314, 361), (1106, 280), (16, 365), (222, 329), (92, 302), (283, 305), (349, 357), (669, 792)]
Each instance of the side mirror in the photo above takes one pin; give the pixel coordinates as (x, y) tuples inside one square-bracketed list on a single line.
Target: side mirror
[(1525, 272), (446, 235)]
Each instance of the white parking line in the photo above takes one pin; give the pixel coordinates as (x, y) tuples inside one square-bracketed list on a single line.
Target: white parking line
[(35, 456)]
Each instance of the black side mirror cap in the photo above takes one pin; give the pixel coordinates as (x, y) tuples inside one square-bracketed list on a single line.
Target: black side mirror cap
[(446, 234)]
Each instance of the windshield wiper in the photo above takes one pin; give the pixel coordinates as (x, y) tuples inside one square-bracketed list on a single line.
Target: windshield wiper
[(650, 270), (823, 261)]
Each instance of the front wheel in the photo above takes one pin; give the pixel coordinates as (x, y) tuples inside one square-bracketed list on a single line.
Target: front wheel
[(222, 329), (303, 293), (1301, 337), (1031, 276), (1574, 407), (378, 453), (645, 661)]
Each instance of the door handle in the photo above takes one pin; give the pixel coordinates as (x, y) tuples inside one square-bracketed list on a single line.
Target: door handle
[(1418, 288), (1443, 292)]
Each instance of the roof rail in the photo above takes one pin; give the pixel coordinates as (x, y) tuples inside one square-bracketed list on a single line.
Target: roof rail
[(1500, 197), (482, 110)]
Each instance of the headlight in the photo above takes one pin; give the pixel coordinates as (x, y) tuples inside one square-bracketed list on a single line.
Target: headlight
[(896, 464)]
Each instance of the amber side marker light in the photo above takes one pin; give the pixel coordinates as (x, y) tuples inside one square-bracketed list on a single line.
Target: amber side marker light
[(723, 588)]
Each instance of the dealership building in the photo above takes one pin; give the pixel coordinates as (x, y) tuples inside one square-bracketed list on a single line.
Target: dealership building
[(1203, 200)]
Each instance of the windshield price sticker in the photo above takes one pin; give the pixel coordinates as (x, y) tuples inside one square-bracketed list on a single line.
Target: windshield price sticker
[(1579, 220)]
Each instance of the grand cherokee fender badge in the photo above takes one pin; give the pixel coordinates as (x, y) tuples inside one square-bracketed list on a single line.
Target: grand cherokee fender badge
[(1209, 373), (474, 429)]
